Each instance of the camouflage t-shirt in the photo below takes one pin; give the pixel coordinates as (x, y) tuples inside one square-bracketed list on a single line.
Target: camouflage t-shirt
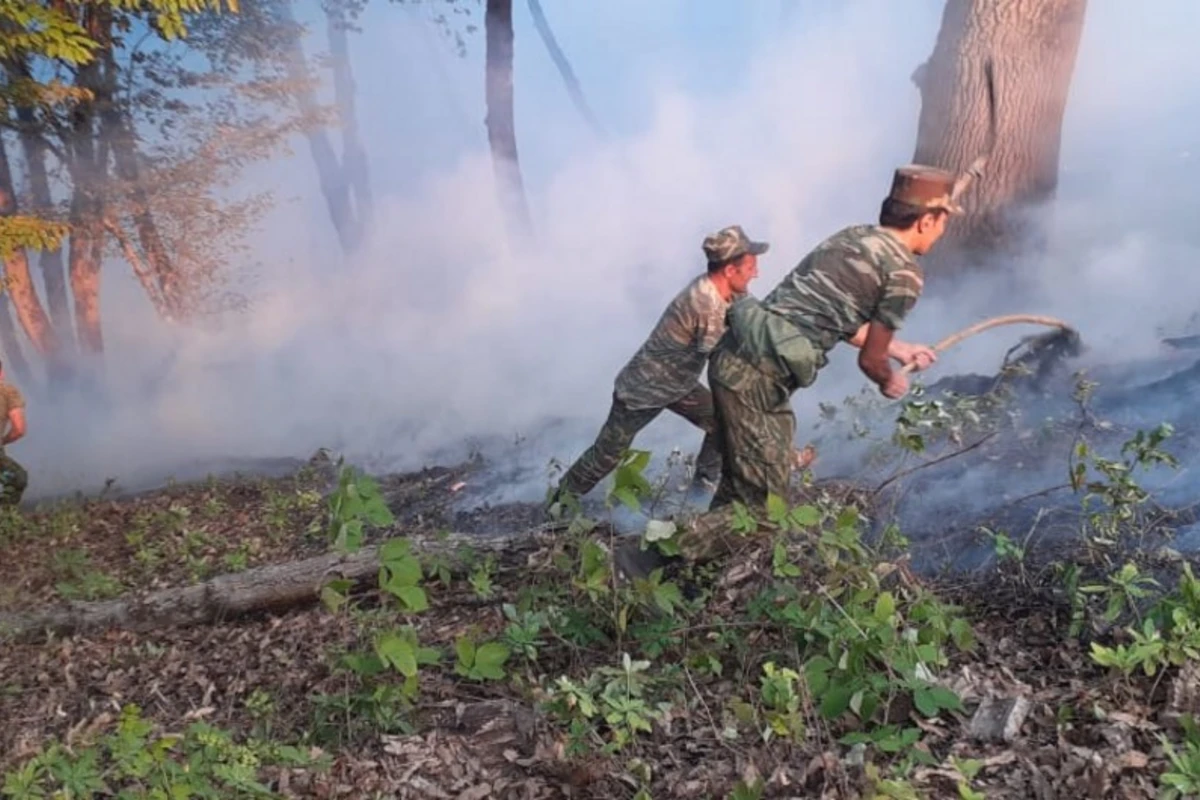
[(858, 275), (669, 364), (10, 398)]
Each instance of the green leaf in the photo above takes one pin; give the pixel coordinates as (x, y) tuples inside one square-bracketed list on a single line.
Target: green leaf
[(885, 606), (398, 652), (413, 598), (489, 660), (777, 509), (806, 516), (836, 701)]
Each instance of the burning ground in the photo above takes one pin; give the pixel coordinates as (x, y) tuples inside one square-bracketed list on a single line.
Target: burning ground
[(1013, 644)]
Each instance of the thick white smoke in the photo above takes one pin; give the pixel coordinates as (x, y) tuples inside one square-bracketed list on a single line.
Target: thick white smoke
[(439, 335)]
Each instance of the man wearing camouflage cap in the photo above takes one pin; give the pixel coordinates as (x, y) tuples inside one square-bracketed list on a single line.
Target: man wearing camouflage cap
[(857, 286), (665, 372)]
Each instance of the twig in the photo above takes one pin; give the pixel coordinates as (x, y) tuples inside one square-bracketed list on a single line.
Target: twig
[(707, 712), (938, 460)]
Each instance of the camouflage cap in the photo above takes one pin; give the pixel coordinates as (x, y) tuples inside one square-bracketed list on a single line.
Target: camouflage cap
[(729, 243), (925, 187)]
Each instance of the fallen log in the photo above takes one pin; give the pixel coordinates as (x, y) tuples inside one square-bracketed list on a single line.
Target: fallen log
[(273, 587)]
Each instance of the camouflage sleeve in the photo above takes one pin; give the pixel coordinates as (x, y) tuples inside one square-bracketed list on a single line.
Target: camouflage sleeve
[(897, 297), (710, 325)]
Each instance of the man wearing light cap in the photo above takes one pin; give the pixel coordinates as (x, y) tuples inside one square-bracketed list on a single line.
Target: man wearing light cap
[(665, 372), (857, 286)]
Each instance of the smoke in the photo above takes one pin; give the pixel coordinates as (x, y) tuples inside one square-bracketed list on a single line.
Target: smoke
[(439, 338)]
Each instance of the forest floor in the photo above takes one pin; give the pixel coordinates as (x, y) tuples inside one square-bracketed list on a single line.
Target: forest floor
[(805, 664)]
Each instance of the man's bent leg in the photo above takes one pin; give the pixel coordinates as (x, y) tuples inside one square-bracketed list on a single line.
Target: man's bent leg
[(13, 480), (605, 453), (757, 427), (697, 408)]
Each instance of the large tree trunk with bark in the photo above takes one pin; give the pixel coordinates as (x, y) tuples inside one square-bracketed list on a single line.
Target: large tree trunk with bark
[(501, 128), (88, 157), (1032, 46)]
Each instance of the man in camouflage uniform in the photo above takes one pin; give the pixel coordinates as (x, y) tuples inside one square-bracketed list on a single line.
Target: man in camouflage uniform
[(665, 372), (857, 286), (13, 478)]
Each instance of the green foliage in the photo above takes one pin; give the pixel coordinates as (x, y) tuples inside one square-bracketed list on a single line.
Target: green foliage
[(484, 662), (134, 762), (24, 232), (630, 486), (1112, 496), (30, 28), (400, 575), (1168, 636), (1182, 776), (356, 503), (859, 643)]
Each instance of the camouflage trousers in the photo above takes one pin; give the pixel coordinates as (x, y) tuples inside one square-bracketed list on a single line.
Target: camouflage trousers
[(13, 480), (624, 423), (757, 428)]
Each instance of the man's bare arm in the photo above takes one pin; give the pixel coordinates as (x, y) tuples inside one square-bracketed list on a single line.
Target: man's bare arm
[(16, 425), (874, 361)]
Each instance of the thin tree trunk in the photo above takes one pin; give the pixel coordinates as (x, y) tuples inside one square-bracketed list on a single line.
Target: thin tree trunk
[(50, 262), (118, 135), (501, 129), (574, 89), (14, 356), (330, 174), (19, 283), (1032, 45), (354, 155)]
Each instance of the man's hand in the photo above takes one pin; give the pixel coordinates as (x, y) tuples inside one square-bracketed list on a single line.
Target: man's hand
[(895, 387), (919, 355)]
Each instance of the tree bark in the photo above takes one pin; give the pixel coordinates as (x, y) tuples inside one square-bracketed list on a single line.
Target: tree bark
[(269, 588), (501, 129), (1032, 45), (50, 262), (354, 155), (19, 283)]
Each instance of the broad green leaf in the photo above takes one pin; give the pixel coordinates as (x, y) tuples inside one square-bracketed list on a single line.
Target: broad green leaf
[(413, 597), (398, 652), (489, 660)]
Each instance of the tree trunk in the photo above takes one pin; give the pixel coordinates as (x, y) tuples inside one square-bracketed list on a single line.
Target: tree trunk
[(501, 130), (269, 588), (19, 283), (49, 261), (118, 135), (85, 273), (330, 174), (354, 155), (1032, 45), (14, 356), (574, 89)]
